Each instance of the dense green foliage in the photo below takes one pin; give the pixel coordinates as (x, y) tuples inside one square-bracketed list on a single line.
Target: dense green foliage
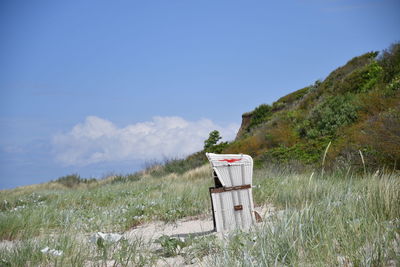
[(327, 117), (390, 62), (355, 107), (306, 153), (211, 144), (212, 140), (260, 115)]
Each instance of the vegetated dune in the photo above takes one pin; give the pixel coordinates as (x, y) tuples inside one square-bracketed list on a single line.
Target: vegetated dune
[(356, 108), (335, 218)]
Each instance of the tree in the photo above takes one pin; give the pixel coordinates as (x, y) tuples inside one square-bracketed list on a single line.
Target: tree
[(212, 140)]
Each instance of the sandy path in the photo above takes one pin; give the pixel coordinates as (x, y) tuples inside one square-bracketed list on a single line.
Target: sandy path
[(181, 228), (196, 226), (193, 226)]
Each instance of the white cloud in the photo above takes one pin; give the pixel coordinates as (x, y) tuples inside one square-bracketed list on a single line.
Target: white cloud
[(99, 140)]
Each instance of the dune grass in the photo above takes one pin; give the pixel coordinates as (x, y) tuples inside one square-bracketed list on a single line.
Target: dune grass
[(334, 219), (326, 221), (115, 206)]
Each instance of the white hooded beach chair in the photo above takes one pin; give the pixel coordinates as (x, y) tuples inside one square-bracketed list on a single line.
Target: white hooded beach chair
[(231, 198)]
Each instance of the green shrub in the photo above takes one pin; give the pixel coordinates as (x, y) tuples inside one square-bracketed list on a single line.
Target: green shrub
[(327, 117), (371, 76), (219, 148), (393, 87), (261, 114), (389, 60), (307, 153), (212, 140), (382, 136), (127, 178), (74, 180), (210, 145), (171, 246), (338, 75), (360, 80)]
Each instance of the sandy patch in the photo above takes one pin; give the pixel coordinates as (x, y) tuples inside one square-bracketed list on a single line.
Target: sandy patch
[(197, 226)]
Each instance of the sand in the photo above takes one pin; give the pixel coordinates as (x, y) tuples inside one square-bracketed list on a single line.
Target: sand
[(191, 226)]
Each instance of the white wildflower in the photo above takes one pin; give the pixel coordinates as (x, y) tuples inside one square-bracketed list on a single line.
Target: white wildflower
[(111, 237), (53, 252)]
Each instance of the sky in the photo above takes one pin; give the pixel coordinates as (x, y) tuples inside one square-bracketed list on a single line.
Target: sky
[(105, 87)]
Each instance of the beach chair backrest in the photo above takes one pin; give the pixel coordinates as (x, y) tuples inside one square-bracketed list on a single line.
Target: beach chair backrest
[(232, 203)]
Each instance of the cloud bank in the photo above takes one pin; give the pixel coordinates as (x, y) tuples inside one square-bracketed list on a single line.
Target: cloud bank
[(99, 140)]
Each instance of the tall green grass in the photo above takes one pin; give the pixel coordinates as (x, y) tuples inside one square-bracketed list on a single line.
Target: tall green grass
[(116, 206), (78, 251), (335, 219), (329, 221)]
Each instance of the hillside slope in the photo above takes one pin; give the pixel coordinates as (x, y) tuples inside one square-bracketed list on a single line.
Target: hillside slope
[(356, 108)]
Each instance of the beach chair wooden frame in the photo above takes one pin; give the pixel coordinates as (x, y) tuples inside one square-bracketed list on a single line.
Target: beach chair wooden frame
[(231, 198)]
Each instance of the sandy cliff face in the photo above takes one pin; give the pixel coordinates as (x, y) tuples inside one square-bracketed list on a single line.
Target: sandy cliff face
[(246, 118)]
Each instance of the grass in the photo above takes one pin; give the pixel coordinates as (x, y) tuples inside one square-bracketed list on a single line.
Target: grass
[(77, 251), (336, 219), (327, 221), (108, 207)]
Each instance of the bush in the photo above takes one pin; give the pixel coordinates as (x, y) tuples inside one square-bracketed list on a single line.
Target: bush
[(382, 133), (328, 116), (389, 60), (261, 114), (341, 73), (212, 140), (360, 80), (171, 246), (74, 180), (282, 134), (307, 153), (252, 145), (127, 178), (393, 86)]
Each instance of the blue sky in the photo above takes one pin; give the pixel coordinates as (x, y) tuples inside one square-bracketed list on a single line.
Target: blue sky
[(100, 87)]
